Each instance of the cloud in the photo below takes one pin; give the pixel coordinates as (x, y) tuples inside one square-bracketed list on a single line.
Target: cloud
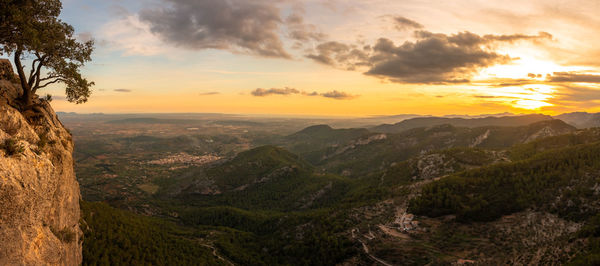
[(132, 36), (573, 77), (274, 91), (338, 95), (299, 30), (85, 36), (403, 23), (335, 94), (574, 98), (533, 75), (209, 93), (122, 90), (235, 25), (338, 54), (433, 58)]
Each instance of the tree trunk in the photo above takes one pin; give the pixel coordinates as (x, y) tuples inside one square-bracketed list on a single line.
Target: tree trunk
[(26, 97)]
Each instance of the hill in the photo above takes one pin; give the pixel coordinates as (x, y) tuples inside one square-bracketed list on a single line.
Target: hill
[(310, 140), (507, 121), (581, 119), (263, 178), (367, 155), (116, 237)]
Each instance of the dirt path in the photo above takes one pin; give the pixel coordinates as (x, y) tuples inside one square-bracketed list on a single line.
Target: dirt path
[(216, 254), (366, 250)]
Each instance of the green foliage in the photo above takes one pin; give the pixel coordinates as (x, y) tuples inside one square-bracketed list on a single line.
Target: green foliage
[(256, 164), (524, 151), (361, 160), (115, 237), (591, 232), (422, 122), (486, 194), (43, 140), (65, 235), (33, 28), (12, 147), (309, 142)]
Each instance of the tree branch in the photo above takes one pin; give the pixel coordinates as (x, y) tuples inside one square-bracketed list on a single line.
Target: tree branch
[(20, 71), (48, 83), (32, 70), (38, 72), (49, 77)]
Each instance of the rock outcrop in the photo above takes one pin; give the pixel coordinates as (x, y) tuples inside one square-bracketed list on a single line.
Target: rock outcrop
[(6, 71), (39, 195)]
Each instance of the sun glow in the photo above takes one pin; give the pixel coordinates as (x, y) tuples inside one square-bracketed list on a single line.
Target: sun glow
[(521, 84)]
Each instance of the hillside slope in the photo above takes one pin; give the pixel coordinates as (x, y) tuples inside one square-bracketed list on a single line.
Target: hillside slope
[(581, 119), (39, 195), (370, 154), (505, 121)]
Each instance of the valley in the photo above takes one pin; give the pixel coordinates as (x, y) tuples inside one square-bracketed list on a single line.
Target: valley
[(262, 191)]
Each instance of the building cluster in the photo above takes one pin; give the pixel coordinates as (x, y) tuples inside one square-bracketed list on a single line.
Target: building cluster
[(185, 158)]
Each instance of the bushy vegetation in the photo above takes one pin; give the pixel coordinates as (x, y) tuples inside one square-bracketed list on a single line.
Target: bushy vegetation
[(116, 237), (268, 206), (65, 235), (486, 194), (12, 147)]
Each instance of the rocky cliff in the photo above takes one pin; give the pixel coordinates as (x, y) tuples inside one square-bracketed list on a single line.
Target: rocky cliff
[(39, 195)]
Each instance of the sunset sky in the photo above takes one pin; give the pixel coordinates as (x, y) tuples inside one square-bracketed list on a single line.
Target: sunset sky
[(336, 57)]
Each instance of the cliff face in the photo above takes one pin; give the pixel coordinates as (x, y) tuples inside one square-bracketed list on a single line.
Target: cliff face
[(39, 195)]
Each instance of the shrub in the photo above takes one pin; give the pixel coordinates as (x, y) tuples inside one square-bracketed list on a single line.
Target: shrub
[(43, 140), (65, 235), (12, 147)]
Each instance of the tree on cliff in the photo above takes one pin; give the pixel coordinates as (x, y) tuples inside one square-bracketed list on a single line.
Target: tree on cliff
[(31, 30)]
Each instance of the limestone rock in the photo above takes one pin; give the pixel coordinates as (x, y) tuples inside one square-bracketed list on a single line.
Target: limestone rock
[(39, 195), (6, 71)]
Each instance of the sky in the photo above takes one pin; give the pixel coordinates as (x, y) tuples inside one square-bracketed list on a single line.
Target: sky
[(338, 57)]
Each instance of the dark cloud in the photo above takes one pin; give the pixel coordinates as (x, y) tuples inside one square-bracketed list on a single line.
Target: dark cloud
[(274, 91), (338, 95), (341, 55), (532, 75), (299, 30), (519, 37), (403, 23), (433, 58), (573, 77), (236, 25), (122, 90), (209, 93), (576, 95)]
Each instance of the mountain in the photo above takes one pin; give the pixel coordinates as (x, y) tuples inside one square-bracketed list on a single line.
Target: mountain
[(376, 152), (314, 138), (267, 178), (435, 195), (581, 119), (538, 210), (509, 121), (39, 195)]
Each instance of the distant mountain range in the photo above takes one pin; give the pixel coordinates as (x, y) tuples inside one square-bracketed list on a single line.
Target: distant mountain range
[(382, 124), (581, 119), (460, 122)]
